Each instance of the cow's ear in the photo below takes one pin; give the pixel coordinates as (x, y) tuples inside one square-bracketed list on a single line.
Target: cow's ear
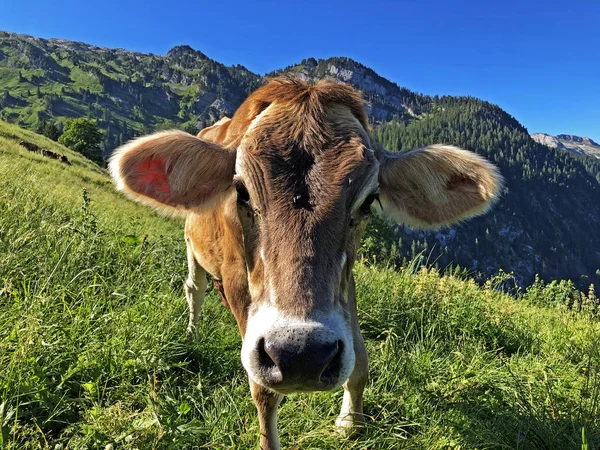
[(173, 170), (217, 132), (436, 185)]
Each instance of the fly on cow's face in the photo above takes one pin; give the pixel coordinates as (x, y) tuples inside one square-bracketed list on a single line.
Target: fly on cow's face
[(301, 201)]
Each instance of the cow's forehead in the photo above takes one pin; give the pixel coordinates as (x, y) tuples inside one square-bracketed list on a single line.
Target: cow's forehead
[(320, 170), (317, 193), (286, 139)]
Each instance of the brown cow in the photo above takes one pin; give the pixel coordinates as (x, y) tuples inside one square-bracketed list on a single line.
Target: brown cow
[(276, 201), (29, 146), (64, 159)]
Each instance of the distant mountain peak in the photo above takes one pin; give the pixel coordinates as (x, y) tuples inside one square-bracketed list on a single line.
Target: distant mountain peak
[(578, 139), (180, 50), (547, 140), (570, 142)]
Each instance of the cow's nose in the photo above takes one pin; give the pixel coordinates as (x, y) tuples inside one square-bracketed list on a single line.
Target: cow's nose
[(314, 363)]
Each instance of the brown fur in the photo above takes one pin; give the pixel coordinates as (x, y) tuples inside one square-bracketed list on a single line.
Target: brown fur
[(312, 104), (217, 132)]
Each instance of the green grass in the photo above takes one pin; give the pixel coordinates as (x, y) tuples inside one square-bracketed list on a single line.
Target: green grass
[(84, 80), (93, 349)]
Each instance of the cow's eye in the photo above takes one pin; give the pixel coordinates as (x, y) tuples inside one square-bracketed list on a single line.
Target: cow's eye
[(365, 208), (243, 198)]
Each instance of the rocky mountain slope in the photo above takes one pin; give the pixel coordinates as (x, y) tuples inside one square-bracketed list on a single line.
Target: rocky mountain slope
[(545, 223), (128, 93), (575, 144)]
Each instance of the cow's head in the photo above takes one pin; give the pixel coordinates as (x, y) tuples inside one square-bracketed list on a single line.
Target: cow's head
[(296, 173)]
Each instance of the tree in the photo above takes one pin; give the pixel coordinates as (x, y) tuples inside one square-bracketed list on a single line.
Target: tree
[(48, 129), (83, 136)]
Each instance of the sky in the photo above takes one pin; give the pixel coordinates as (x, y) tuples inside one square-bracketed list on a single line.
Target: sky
[(538, 60)]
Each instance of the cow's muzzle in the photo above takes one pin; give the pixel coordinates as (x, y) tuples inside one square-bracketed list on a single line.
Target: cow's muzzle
[(290, 356)]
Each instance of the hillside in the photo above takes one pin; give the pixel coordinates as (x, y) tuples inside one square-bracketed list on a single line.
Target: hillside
[(93, 351), (544, 223), (576, 144), (29, 176), (545, 220)]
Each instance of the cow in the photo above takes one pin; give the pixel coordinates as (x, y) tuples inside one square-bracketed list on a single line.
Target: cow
[(50, 154), (275, 202), (29, 146), (65, 160)]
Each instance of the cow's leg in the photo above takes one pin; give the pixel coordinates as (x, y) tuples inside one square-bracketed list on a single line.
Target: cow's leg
[(351, 418), (266, 402), (195, 289)]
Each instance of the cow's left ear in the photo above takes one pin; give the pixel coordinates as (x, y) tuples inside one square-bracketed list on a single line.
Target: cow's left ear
[(436, 185), (216, 132)]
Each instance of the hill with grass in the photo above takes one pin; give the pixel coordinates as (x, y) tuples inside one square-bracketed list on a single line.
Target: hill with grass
[(93, 352), (544, 223)]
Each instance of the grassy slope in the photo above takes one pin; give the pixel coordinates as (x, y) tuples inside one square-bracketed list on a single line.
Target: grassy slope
[(93, 349)]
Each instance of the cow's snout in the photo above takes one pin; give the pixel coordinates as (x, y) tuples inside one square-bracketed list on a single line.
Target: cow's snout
[(299, 360), (288, 355)]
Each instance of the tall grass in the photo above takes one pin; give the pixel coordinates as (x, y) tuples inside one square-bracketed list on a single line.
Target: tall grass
[(93, 350)]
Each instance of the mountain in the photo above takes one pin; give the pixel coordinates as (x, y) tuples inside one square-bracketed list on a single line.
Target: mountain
[(575, 144), (128, 93), (385, 99), (545, 223)]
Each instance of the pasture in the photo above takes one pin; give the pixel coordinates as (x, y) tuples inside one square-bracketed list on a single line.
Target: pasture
[(94, 355)]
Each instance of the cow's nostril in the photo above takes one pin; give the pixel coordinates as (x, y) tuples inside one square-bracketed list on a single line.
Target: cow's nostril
[(332, 369), (269, 367)]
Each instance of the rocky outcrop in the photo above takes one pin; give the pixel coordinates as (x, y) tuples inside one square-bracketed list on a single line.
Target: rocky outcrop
[(572, 143), (547, 140), (577, 139)]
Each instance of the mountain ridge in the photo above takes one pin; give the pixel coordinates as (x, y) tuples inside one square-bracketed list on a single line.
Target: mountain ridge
[(576, 144), (541, 224)]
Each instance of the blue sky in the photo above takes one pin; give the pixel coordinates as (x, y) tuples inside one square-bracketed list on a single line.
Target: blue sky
[(539, 60)]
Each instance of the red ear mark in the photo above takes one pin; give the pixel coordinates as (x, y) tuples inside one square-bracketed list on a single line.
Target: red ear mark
[(151, 177)]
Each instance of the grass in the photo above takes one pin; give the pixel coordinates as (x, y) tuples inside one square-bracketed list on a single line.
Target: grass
[(93, 349)]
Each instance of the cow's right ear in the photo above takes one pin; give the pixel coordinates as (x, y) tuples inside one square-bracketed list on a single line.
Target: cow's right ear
[(173, 170)]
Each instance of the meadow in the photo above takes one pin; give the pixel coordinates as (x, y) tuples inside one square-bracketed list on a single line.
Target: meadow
[(94, 354)]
